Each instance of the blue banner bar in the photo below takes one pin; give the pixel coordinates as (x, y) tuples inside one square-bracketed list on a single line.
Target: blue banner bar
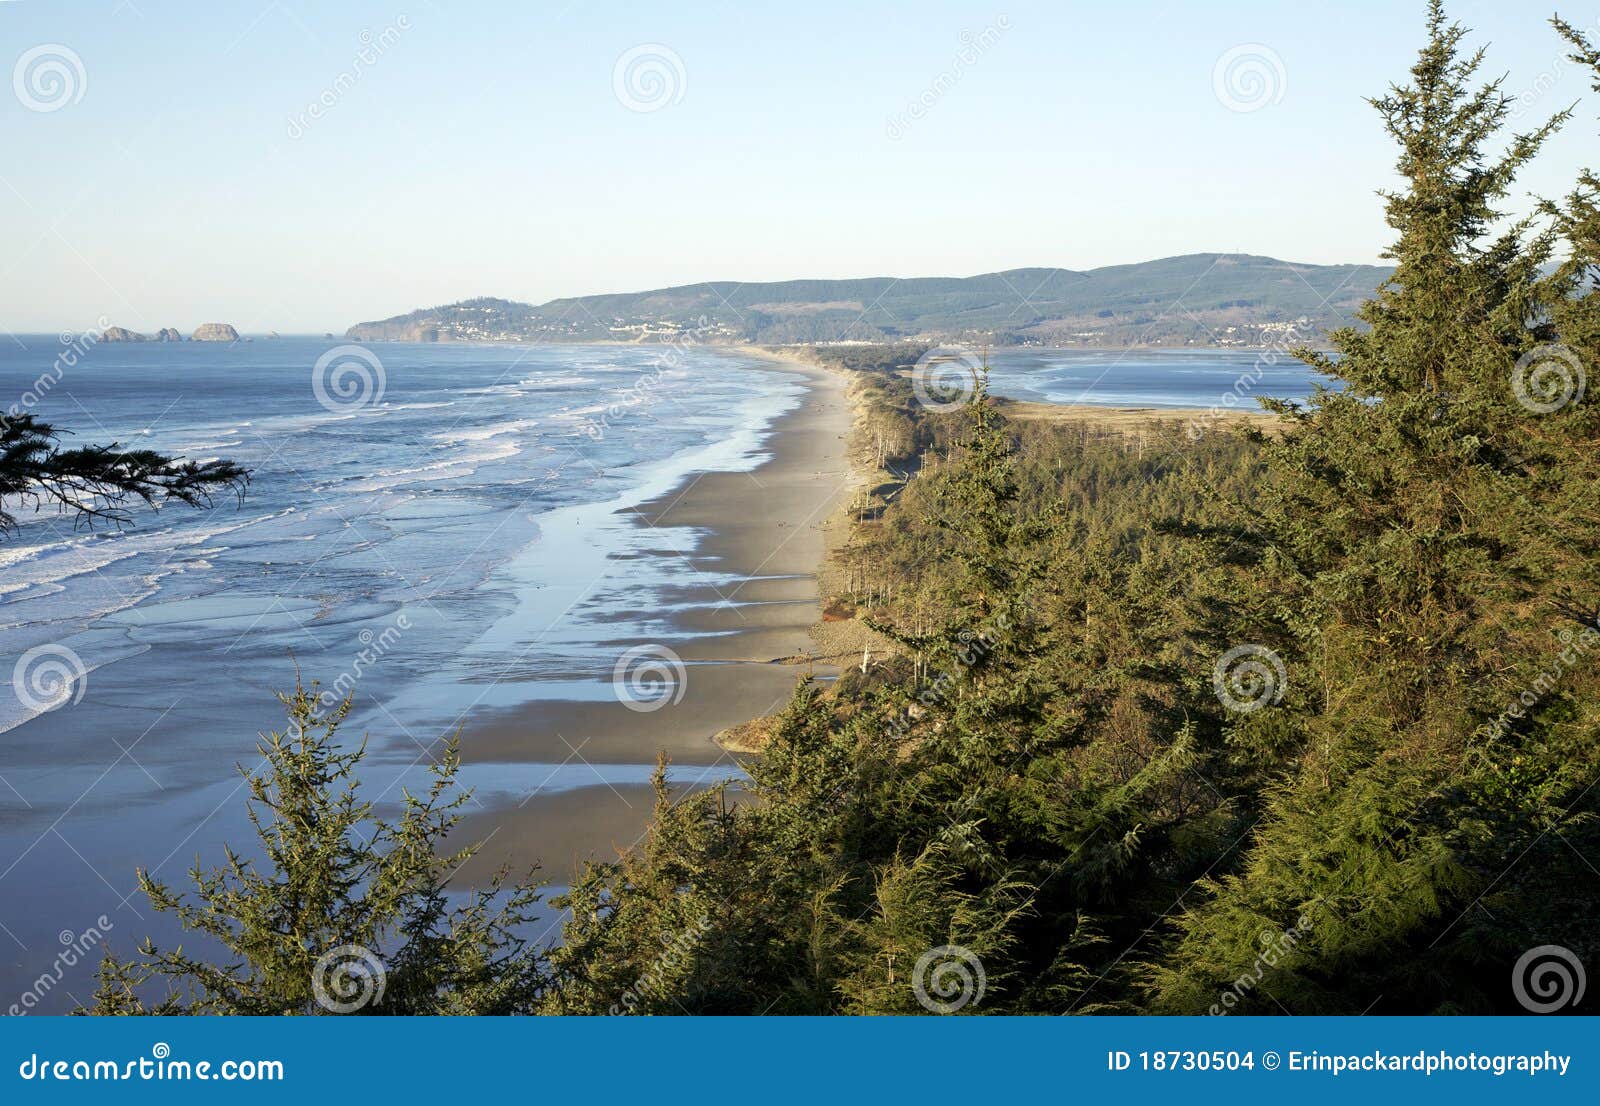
[(882, 1060)]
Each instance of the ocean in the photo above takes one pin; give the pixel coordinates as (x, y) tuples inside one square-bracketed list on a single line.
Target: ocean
[(407, 535)]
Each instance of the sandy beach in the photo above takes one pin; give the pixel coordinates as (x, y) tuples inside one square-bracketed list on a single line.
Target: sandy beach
[(742, 631)]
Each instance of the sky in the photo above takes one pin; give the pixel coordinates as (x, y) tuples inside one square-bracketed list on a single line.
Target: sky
[(298, 165)]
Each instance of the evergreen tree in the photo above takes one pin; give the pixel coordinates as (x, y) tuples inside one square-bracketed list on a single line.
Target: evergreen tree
[(343, 912), (1414, 524)]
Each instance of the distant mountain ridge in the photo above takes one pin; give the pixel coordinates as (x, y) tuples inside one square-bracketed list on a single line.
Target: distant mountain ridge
[(1194, 300)]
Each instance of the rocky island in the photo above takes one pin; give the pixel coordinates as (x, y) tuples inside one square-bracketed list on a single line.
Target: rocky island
[(223, 332)]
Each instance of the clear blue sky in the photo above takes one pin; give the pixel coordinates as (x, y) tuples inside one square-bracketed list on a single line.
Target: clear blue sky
[(486, 151)]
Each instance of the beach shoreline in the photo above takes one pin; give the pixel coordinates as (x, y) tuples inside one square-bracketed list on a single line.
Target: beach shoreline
[(742, 632)]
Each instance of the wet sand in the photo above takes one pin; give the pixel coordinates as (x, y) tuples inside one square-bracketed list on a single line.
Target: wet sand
[(741, 631)]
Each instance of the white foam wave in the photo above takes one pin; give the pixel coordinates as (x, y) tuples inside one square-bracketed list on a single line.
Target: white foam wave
[(485, 433), (556, 380), (27, 567), (455, 467)]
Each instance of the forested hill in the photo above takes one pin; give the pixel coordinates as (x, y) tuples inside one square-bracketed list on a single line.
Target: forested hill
[(1198, 299)]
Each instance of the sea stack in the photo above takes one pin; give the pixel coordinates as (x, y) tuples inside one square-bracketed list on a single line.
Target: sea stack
[(120, 334), (215, 332), (168, 334)]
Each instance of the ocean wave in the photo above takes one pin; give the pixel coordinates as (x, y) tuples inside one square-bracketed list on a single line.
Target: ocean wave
[(556, 380), (568, 414), (27, 567), (485, 433), (185, 448), (468, 462)]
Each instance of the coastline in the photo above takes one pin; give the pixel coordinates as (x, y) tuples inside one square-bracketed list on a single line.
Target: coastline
[(763, 560), (742, 631)]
